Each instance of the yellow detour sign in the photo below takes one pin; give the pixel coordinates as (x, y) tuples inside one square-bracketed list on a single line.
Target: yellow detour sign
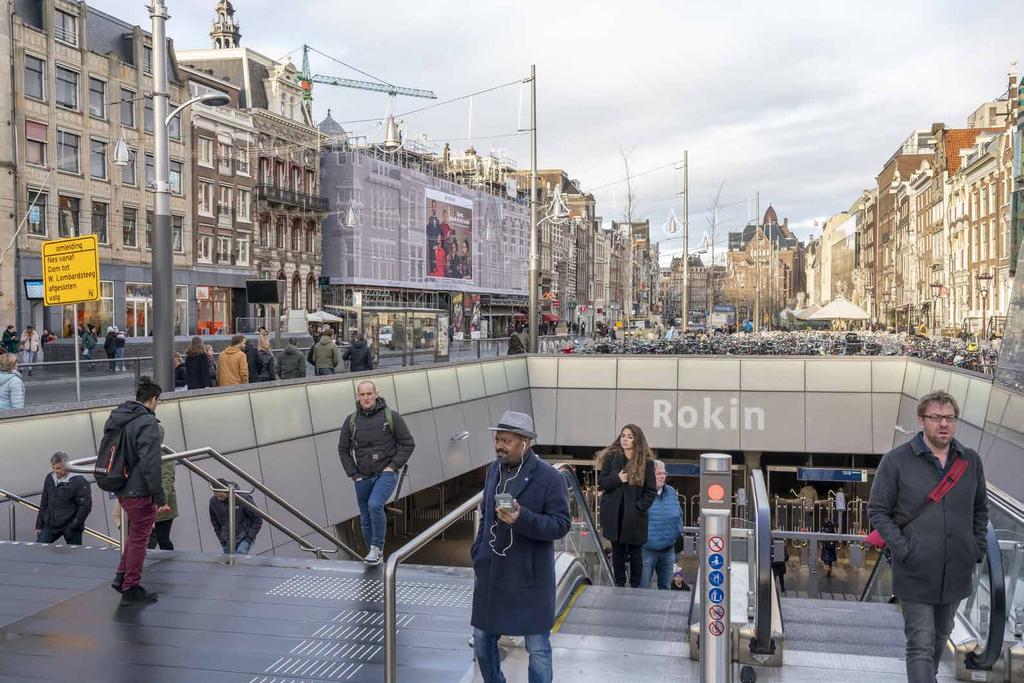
[(71, 271)]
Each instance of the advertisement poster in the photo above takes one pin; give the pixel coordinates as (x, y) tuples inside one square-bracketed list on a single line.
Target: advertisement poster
[(449, 236)]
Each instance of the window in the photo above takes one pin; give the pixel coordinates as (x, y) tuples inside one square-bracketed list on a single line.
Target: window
[(147, 114), (150, 171), (203, 247), (174, 174), (127, 108), (147, 60), (128, 171), (149, 229), (37, 213), (204, 147), (67, 216), (242, 247), (67, 88), (177, 234), (130, 225), (67, 151), (242, 167), (297, 179), (99, 222), (98, 159), (279, 235), (205, 199), (244, 205), (225, 204), (264, 240), (310, 182), (65, 28), (97, 98), (296, 237), (35, 78), (224, 158), (224, 249), (35, 143), (174, 126)]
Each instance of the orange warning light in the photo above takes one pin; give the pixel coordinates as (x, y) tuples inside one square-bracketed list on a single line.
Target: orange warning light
[(716, 492)]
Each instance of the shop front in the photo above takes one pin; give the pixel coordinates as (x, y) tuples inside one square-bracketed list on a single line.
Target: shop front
[(214, 310)]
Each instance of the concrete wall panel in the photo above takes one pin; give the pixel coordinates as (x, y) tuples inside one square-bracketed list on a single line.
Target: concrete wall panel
[(638, 407), (586, 373), (544, 403), (772, 375), (837, 375), (413, 392), (425, 463), (585, 417), (837, 422), (495, 380), (280, 414), (709, 374), (471, 382), (887, 375), (444, 386), (783, 421), (288, 469), (704, 420), (330, 402), (222, 422), (453, 450), (648, 373), (543, 372), (885, 410), (517, 373)]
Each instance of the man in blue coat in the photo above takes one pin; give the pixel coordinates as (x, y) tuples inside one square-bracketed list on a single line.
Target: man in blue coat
[(514, 555)]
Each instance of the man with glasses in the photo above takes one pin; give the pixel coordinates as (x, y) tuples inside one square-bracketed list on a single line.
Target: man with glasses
[(934, 544)]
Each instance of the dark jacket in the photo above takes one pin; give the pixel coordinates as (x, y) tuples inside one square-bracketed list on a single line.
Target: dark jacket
[(142, 447), (250, 352), (517, 343), (197, 371), (515, 594), (180, 377), (934, 555), (266, 366), (292, 363), (373, 446), (360, 355), (247, 522), (110, 343), (624, 506), (65, 506), (10, 341)]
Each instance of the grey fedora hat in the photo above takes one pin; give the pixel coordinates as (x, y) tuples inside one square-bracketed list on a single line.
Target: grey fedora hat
[(517, 423)]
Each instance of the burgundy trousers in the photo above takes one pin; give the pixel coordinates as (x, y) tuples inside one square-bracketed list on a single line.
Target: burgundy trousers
[(140, 513)]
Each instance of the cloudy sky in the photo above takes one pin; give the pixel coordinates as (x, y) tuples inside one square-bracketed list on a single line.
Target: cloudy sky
[(799, 101)]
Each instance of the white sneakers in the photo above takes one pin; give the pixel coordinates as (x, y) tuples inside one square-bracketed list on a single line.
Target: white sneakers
[(375, 556)]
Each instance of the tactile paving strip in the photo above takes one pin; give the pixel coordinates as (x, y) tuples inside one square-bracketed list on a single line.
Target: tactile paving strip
[(422, 594)]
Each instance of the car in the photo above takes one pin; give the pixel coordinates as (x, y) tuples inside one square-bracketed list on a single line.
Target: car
[(385, 335)]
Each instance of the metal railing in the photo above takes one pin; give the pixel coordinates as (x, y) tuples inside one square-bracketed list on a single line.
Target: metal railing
[(762, 642), (576, 491), (279, 195), (987, 657), (16, 500), (84, 466)]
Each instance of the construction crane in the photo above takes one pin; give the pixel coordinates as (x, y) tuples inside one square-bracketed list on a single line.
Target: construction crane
[(307, 79)]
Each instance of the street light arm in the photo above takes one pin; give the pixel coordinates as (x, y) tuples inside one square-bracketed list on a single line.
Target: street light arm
[(180, 107), (211, 99)]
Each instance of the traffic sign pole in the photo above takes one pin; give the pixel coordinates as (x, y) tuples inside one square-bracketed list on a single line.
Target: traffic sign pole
[(78, 372), (716, 523)]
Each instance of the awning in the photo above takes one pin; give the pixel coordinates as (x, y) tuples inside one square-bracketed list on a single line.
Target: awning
[(519, 316), (549, 318), (806, 313), (322, 317), (840, 309)]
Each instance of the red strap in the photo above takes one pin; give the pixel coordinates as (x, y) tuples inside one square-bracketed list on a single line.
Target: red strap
[(949, 480)]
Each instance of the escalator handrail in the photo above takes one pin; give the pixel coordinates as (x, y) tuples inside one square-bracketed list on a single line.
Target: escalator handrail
[(581, 502), (876, 572), (987, 657), (762, 643)]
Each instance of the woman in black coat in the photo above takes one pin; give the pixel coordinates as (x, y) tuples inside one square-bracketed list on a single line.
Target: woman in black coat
[(197, 366), (628, 490)]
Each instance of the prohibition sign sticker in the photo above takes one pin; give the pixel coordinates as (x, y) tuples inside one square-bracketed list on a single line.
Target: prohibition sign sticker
[(716, 628), (716, 612), (716, 544)]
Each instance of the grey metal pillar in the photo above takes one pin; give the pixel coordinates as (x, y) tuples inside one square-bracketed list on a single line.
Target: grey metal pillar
[(716, 525), (232, 541), (163, 258), (534, 307)]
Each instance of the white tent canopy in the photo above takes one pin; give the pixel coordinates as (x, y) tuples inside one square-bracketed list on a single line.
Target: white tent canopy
[(839, 309), (322, 317), (805, 313)]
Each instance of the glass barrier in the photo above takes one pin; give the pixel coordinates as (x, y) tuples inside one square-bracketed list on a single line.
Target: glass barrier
[(583, 539)]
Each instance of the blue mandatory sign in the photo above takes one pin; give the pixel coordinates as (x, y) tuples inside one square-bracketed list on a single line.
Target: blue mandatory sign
[(716, 595), (716, 578), (716, 561)]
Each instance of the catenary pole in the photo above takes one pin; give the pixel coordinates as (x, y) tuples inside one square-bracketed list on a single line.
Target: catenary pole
[(534, 309), (163, 259)]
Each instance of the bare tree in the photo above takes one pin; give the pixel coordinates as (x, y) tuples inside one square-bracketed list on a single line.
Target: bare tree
[(630, 194)]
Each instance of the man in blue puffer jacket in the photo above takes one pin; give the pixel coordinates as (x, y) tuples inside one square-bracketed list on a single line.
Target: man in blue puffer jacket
[(664, 525)]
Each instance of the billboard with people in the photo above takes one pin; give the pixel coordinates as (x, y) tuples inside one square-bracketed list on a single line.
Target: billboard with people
[(449, 236)]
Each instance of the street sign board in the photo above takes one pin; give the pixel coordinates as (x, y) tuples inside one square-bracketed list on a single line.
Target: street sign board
[(71, 271)]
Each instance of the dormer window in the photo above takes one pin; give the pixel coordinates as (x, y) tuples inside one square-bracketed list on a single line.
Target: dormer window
[(65, 28)]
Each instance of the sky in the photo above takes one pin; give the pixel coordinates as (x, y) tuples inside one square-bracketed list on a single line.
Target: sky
[(800, 103)]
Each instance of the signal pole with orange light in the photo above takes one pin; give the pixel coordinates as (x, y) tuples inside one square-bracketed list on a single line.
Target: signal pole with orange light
[(716, 525)]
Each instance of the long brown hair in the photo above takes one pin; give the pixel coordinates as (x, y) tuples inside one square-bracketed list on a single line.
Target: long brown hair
[(636, 468), (196, 348)]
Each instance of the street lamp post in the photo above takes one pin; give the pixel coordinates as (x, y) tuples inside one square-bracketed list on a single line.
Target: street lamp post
[(984, 279), (936, 293), (534, 284)]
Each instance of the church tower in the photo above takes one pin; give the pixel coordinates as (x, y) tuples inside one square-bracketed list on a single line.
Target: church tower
[(225, 33)]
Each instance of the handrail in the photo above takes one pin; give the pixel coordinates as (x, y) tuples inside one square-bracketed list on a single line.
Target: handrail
[(577, 491), (762, 642), (7, 496), (987, 658), (82, 465), (874, 576), (391, 575)]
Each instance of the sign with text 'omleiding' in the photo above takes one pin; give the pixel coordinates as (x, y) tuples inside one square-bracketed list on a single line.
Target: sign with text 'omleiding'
[(71, 271)]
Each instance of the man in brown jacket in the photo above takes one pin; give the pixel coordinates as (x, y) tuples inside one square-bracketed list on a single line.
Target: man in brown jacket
[(233, 368)]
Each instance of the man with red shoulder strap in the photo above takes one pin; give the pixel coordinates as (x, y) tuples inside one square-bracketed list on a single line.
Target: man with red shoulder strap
[(929, 503)]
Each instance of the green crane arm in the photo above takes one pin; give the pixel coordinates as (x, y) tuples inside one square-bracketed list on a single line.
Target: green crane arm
[(376, 87)]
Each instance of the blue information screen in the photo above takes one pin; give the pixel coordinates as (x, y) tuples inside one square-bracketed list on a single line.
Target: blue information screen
[(827, 474), (682, 469)]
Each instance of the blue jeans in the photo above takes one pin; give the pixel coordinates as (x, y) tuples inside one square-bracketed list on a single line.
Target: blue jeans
[(372, 493), (241, 547), (488, 657), (660, 561), (119, 355)]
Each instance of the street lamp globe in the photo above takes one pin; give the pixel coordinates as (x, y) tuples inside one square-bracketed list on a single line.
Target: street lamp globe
[(215, 99)]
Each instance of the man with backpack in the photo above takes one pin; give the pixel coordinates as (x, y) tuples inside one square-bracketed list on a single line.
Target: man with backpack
[(929, 505), (325, 355), (375, 444), (128, 465)]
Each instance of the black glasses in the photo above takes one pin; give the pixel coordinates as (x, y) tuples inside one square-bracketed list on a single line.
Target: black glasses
[(938, 419)]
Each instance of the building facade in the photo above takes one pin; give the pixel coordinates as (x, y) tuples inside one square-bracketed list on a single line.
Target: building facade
[(81, 84), (764, 268)]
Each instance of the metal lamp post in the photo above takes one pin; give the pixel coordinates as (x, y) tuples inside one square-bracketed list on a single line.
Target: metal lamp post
[(984, 279), (163, 250), (936, 293)]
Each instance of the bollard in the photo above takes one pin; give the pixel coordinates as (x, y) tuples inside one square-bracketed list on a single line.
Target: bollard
[(716, 527)]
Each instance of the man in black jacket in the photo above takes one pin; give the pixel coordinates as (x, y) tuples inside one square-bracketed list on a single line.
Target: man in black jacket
[(934, 545), (359, 354), (247, 522), (143, 495), (375, 444), (65, 505), (251, 354)]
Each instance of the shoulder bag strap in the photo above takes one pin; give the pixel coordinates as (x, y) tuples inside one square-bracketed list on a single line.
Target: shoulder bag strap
[(945, 485)]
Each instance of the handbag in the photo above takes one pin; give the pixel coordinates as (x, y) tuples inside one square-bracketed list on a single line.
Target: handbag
[(944, 486)]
